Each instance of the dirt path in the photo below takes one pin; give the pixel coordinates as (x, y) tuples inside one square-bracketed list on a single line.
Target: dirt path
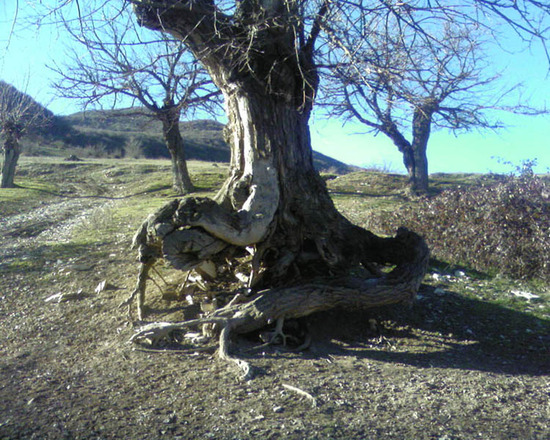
[(48, 223), (449, 368)]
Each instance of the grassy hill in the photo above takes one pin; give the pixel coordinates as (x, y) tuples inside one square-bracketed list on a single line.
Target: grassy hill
[(113, 133), (117, 129)]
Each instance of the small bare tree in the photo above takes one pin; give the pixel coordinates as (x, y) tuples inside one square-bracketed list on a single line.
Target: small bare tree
[(19, 114), (403, 86), (114, 61), (133, 147)]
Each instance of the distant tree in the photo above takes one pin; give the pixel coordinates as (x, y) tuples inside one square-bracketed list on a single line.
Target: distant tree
[(403, 86), (114, 60), (134, 147), (19, 115)]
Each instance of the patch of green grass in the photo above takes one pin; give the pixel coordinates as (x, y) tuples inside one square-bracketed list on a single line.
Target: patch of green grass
[(368, 183), (21, 265), (496, 290), (64, 251), (509, 293), (26, 188), (118, 223), (28, 194), (442, 181), (209, 181)]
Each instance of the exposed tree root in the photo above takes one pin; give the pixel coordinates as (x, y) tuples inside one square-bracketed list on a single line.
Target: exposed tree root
[(139, 290), (301, 393), (307, 241), (276, 304), (278, 334)]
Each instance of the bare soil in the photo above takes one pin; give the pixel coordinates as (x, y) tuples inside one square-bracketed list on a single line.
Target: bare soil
[(452, 366)]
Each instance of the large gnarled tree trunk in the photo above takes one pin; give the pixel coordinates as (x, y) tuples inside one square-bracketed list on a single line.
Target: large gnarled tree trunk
[(306, 256)]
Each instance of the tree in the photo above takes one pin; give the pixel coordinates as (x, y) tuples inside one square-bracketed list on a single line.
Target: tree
[(117, 61), (404, 86), (397, 83), (306, 256), (19, 115)]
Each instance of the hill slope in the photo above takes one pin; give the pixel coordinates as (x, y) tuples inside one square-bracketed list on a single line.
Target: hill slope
[(19, 108), (112, 132)]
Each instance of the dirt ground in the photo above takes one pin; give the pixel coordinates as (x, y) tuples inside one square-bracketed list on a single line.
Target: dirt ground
[(449, 367)]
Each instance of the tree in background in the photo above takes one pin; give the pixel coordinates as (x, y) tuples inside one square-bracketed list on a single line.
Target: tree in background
[(19, 115), (116, 62), (399, 84)]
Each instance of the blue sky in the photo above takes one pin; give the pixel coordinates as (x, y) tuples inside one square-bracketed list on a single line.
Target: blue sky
[(23, 61)]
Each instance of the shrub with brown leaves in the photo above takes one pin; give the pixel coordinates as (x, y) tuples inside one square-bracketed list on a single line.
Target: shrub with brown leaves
[(503, 226)]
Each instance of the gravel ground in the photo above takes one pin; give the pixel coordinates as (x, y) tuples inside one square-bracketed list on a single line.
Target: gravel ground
[(450, 367)]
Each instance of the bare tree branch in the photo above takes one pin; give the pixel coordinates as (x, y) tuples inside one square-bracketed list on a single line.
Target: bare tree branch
[(401, 83)]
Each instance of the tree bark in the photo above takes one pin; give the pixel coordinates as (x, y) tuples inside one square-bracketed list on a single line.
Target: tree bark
[(273, 203), (12, 151), (419, 179), (415, 158), (390, 129), (422, 120), (174, 142)]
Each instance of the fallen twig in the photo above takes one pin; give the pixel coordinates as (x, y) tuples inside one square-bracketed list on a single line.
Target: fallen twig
[(301, 393), (210, 348)]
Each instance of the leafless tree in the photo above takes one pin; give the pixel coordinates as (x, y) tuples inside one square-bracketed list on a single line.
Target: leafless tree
[(404, 86), (115, 62), (264, 56), (19, 115)]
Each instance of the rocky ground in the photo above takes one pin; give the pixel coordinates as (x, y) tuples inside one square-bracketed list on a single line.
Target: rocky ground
[(456, 365)]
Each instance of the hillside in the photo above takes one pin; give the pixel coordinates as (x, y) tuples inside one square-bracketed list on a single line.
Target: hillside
[(112, 132), (114, 129), (20, 108)]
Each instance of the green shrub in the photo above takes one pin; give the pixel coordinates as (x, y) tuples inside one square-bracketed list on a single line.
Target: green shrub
[(503, 226)]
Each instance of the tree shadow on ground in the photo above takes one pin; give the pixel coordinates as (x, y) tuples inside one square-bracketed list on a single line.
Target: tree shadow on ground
[(149, 191), (366, 195), (443, 331)]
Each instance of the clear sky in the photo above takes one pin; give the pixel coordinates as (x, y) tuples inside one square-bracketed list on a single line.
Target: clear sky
[(25, 50)]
